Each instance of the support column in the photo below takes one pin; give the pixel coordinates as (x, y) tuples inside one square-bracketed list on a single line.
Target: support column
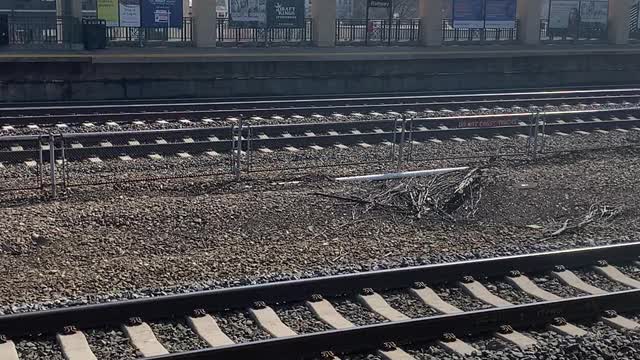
[(186, 8), (204, 23), (619, 21), (69, 24), (529, 17), (430, 12), (323, 14)]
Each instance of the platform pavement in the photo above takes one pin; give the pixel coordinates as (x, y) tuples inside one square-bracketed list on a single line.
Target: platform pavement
[(182, 54)]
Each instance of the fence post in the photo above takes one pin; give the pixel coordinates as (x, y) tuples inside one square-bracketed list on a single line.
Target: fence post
[(52, 163)]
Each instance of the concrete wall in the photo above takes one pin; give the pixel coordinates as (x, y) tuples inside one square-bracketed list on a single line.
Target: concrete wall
[(83, 80)]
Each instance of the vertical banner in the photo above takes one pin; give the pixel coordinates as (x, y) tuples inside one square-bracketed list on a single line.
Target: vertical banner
[(468, 14), (107, 10), (161, 13), (596, 12), (564, 14), (243, 13), (130, 13), (285, 13), (500, 13)]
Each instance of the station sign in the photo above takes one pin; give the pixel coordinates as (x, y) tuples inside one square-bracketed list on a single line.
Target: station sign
[(161, 13), (385, 4), (500, 14), (285, 13), (468, 14), (107, 10), (248, 13)]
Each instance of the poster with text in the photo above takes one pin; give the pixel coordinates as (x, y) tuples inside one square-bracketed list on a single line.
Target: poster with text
[(245, 13), (285, 13), (107, 10), (564, 14), (468, 14), (130, 13), (500, 13), (161, 13), (594, 11)]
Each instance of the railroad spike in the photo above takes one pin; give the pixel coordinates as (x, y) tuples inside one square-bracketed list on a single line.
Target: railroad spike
[(316, 298), (259, 305), (602, 263), (609, 314), (134, 321), (449, 337), (199, 313), (367, 291), (389, 346)]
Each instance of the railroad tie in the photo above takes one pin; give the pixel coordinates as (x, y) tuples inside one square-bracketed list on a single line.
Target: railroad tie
[(431, 299), (376, 303), (525, 284), (325, 311), (572, 280), (612, 319), (506, 333), (206, 327), (143, 339), (394, 353), (74, 345), (480, 292), (269, 321), (613, 274), (8, 350)]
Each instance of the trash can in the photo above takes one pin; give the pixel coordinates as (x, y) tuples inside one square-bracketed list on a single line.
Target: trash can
[(4, 29), (94, 34)]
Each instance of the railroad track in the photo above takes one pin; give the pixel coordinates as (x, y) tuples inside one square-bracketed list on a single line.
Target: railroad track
[(216, 140), (501, 318), (75, 115)]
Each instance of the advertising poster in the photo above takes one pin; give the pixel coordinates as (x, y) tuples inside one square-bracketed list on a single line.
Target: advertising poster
[(564, 14), (285, 13), (107, 10), (248, 13), (594, 11), (500, 13), (468, 14), (130, 13), (161, 13)]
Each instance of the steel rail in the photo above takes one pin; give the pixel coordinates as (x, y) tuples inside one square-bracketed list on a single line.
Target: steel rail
[(427, 329), (224, 143), (99, 315), (22, 116)]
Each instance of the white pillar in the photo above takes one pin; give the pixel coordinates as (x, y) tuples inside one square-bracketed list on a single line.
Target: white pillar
[(619, 20), (430, 12), (185, 8), (529, 17), (204, 23), (323, 14)]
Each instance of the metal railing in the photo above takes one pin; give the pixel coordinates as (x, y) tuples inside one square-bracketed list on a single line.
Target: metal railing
[(582, 32), (133, 36), (634, 24), (42, 30), (451, 35), (258, 36), (377, 32)]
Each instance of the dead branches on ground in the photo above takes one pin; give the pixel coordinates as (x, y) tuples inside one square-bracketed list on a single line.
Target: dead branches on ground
[(448, 197), (595, 213)]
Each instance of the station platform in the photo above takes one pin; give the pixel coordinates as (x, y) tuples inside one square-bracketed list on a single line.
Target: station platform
[(279, 54), (157, 73)]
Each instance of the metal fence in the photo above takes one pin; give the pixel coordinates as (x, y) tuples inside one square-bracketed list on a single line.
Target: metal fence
[(634, 25), (451, 35), (42, 30), (582, 32), (258, 36), (377, 32), (134, 36)]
